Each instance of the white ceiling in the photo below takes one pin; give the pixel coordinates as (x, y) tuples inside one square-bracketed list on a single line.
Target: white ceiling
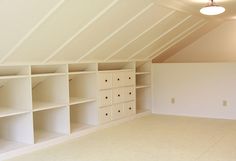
[(63, 31)]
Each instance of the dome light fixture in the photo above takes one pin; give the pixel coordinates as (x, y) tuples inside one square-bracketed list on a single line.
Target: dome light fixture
[(212, 9)]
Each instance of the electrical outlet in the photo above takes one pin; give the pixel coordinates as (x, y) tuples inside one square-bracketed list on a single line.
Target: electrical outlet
[(172, 100), (224, 103)]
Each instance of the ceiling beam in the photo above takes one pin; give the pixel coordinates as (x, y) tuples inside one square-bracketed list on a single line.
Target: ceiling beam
[(140, 35), (116, 31), (159, 37), (57, 51), (33, 29)]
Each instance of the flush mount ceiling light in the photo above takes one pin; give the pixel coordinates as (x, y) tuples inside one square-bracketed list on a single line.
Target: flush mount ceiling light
[(212, 9)]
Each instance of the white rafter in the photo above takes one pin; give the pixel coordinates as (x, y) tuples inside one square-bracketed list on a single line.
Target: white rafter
[(174, 41), (159, 37), (115, 32), (32, 30), (81, 30), (136, 38)]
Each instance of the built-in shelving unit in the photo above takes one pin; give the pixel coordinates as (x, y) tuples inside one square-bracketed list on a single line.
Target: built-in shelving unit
[(83, 116), (143, 86), (16, 132), (39, 103), (52, 123)]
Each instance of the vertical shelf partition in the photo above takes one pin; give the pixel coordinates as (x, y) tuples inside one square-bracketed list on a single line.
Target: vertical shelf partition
[(143, 86)]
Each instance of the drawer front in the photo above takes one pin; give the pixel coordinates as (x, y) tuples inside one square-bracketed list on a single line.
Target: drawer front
[(117, 95), (129, 93), (105, 98), (105, 114), (105, 80), (129, 78), (117, 111), (118, 79), (129, 108)]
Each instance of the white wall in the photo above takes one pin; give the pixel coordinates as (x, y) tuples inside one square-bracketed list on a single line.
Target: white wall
[(199, 89), (216, 46)]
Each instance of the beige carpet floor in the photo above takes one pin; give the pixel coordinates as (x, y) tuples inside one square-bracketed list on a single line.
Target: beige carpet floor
[(151, 138)]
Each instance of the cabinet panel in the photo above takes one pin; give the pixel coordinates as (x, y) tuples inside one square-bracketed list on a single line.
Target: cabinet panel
[(129, 78), (118, 79), (105, 98), (129, 93), (117, 95), (129, 108), (117, 111), (105, 80), (105, 114)]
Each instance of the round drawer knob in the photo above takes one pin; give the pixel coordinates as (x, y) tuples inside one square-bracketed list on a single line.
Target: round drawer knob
[(129, 77), (106, 80), (118, 79), (118, 110), (130, 108), (106, 114), (130, 93), (106, 97), (118, 95)]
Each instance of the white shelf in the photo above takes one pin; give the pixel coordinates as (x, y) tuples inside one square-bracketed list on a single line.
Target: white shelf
[(14, 77), (38, 106), (142, 73), (74, 100), (76, 127), (142, 86), (7, 145), (6, 111), (43, 135), (120, 70), (47, 75), (83, 72)]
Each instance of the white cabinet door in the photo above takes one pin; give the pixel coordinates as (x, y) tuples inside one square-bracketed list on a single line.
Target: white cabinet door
[(129, 93), (118, 79), (105, 80), (129, 78), (105, 98), (117, 111), (105, 114), (117, 95), (129, 108)]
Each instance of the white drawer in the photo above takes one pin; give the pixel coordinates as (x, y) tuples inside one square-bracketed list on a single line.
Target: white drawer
[(105, 114), (129, 93), (129, 108), (117, 111), (105, 98), (118, 79), (105, 80), (129, 78), (117, 95)]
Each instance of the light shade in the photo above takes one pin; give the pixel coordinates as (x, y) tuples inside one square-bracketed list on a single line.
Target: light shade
[(212, 9)]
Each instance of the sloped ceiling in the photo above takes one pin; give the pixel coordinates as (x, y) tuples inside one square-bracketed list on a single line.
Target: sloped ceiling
[(64, 31)]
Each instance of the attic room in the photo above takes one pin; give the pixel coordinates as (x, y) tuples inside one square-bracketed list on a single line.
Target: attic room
[(118, 80)]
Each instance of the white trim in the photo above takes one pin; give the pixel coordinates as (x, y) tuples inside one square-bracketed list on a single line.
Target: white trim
[(159, 37), (160, 50), (141, 34), (115, 32), (32, 30), (80, 31)]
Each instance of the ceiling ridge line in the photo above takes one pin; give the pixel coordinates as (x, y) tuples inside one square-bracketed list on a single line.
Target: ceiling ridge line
[(159, 37), (116, 31), (33, 29), (192, 29), (81, 30), (141, 34)]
